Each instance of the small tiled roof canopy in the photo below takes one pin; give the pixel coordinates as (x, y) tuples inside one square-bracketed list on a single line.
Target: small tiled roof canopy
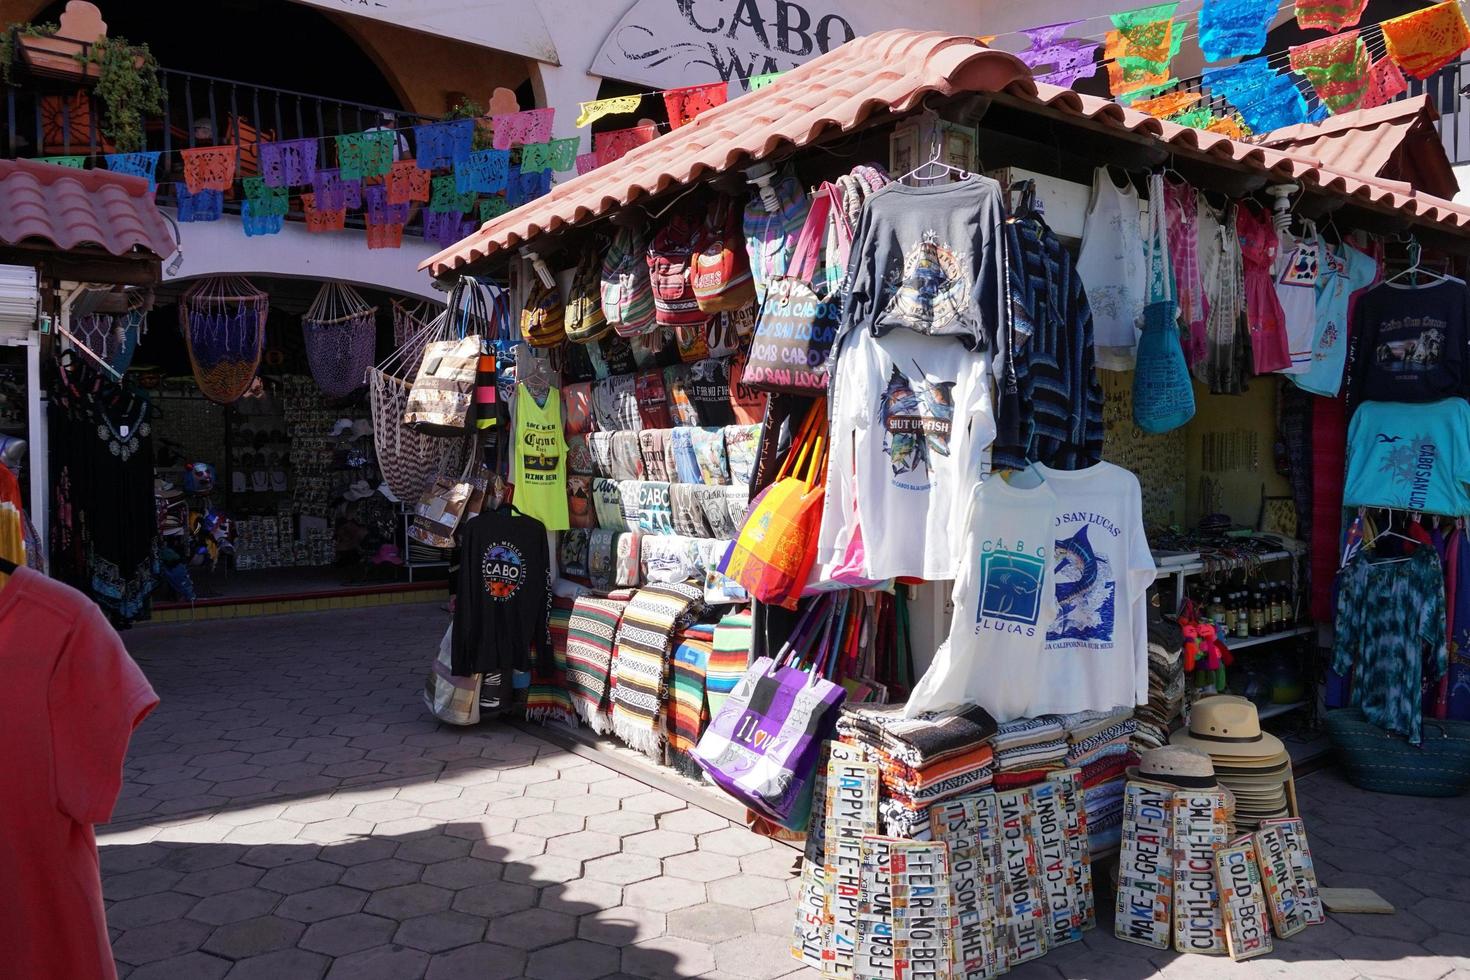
[(892, 71), (74, 209)]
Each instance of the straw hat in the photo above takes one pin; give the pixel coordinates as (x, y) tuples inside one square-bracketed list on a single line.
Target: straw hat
[(1176, 766), (1228, 729)]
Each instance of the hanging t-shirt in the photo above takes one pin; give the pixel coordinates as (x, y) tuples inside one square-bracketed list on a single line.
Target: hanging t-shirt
[(709, 389), (1408, 342), (1296, 288), (1097, 646), (71, 698), (1344, 271), (912, 426), (1415, 457), (1004, 601), (930, 259), (503, 597), (1111, 264), (539, 454)]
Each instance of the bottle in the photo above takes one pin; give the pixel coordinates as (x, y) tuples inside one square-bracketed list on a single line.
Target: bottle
[(1232, 608), (1215, 611), (1280, 606), (1258, 613)]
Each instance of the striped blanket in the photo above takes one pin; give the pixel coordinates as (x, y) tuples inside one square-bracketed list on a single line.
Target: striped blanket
[(728, 659), (644, 639), (686, 710), (548, 700), (590, 631)]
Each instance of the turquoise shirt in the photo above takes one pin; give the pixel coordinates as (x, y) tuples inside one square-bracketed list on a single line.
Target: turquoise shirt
[(1344, 271), (1410, 456)]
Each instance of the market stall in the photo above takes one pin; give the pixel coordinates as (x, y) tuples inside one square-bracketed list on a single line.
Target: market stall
[(909, 447)]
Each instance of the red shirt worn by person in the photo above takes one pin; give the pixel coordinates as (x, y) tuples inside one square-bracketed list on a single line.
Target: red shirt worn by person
[(69, 698)]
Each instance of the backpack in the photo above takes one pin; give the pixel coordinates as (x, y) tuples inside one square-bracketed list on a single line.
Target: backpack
[(721, 274), (543, 321), (670, 261), (769, 238), (585, 320), (627, 296)]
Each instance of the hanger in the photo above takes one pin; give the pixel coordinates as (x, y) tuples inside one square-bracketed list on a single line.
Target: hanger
[(1390, 533), (1415, 270), (935, 160)]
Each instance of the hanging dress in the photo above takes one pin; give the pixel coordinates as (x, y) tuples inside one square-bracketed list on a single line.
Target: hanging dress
[(1111, 264), (1223, 364), (1182, 212), (1258, 245)]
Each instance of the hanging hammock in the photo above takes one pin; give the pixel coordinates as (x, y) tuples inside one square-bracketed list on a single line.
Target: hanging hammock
[(341, 336), (409, 321), (409, 460), (222, 319)]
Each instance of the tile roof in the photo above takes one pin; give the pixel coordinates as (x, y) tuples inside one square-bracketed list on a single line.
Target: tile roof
[(70, 208), (887, 71)]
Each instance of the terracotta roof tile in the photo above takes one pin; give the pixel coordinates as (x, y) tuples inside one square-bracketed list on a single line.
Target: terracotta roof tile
[(71, 208), (891, 70)]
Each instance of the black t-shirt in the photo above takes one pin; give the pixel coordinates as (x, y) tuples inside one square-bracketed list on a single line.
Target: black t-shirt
[(503, 596), (709, 390), (1408, 344)]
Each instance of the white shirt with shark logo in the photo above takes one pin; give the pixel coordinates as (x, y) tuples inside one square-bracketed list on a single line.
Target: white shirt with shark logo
[(911, 426), (1004, 601)]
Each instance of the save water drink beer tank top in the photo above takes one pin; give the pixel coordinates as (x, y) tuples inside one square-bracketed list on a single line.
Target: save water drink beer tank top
[(539, 466)]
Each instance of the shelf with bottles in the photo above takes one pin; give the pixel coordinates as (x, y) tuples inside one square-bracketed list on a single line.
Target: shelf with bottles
[(1242, 642)]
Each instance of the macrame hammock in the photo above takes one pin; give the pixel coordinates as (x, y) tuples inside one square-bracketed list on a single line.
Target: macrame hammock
[(341, 337), (114, 339), (409, 460), (222, 319), (410, 321)]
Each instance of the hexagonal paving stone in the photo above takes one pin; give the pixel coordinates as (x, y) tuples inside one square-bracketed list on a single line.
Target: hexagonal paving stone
[(621, 823), (532, 929), (589, 773), (279, 965), (280, 855), (622, 925), (337, 831), (301, 877), (551, 825), (777, 862), (216, 880), (653, 802), (524, 806), (265, 832), (246, 903), (579, 896), (735, 841), (252, 937), (482, 961), (432, 848), (710, 923), (188, 859), (146, 910), (543, 869), (702, 866), (385, 810), (747, 891), (775, 919), (159, 941), (440, 931), (479, 828), (668, 957), (462, 873), (586, 806), (584, 846), (146, 881), (322, 903), (622, 869), (574, 960), (665, 894), (496, 899), (317, 810), (749, 956), (692, 820), (509, 847), (356, 852), (527, 775), (559, 789), (658, 843), (383, 963), (348, 934), (194, 966), (406, 901), (455, 809)]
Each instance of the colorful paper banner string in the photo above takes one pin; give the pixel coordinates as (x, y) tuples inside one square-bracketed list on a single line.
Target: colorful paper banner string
[(288, 163), (685, 104), (1425, 41), (332, 193), (446, 228), (1385, 83), (1329, 15), (143, 164), (362, 155), (523, 187), (1168, 104), (586, 163), (384, 236), (1140, 48), (483, 171), (209, 168), (1194, 118), (1065, 59), (1234, 28), (264, 199), (443, 144), (380, 211), (445, 196), (1337, 67), (406, 182), (1265, 100), (1230, 126), (615, 145), (207, 205), (255, 224), (757, 82), (535, 157), (593, 111), (564, 154), (318, 221), (492, 208), (520, 128), (74, 162)]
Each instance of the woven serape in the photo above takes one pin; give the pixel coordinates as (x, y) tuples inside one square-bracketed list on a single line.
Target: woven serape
[(644, 638), (590, 634)]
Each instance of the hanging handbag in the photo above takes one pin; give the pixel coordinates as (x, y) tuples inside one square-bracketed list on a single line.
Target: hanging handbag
[(543, 321), (670, 262), (1163, 393), (585, 320), (721, 277), (763, 744), (443, 390), (796, 328), (439, 511), (451, 699), (773, 554), (627, 296)]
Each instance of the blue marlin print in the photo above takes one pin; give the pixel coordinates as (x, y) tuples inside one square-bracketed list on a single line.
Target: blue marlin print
[(1085, 591)]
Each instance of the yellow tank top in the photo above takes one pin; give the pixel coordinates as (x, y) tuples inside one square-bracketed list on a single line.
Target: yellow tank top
[(539, 454)]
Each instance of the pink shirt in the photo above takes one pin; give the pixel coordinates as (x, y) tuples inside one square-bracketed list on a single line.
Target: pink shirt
[(69, 698)]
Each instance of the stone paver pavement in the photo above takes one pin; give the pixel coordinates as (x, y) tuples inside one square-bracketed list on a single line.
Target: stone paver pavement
[(291, 812)]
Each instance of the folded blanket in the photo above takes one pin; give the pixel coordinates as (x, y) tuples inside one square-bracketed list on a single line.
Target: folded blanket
[(1108, 750), (548, 699), (687, 710), (1026, 731), (644, 639), (1102, 730), (1031, 756), (591, 629), (1016, 779), (927, 796), (917, 741), (981, 757), (898, 820), (1103, 770), (1081, 724), (728, 659)]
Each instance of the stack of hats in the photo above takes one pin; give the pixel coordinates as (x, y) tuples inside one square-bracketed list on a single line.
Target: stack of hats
[(1252, 764), (1166, 684), (921, 761), (1026, 749)]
